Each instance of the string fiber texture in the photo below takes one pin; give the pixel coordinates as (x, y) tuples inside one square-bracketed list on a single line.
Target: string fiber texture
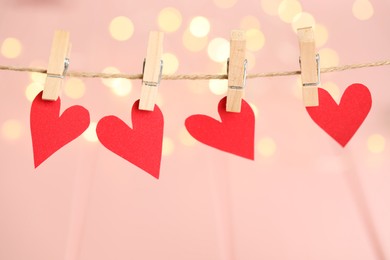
[(83, 74)]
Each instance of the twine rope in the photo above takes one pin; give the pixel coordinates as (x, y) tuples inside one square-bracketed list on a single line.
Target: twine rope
[(83, 74)]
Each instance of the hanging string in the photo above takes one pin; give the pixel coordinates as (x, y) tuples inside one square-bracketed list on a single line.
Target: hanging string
[(82, 74)]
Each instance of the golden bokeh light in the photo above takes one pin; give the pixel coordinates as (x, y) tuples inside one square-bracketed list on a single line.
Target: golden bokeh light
[(32, 90), (301, 20), (225, 3), (333, 90), (218, 87), (249, 22), (255, 109), (110, 70), (362, 9), (121, 28), (376, 143), (38, 77), (90, 134), (199, 26), (193, 43), (328, 57), (74, 88), (11, 129), (185, 137), (270, 7), (321, 34), (169, 19), (11, 48), (288, 9), (171, 63), (168, 146), (223, 69), (251, 60), (266, 146), (121, 87), (218, 49), (254, 39)]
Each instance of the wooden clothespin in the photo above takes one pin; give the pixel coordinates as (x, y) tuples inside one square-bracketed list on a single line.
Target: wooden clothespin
[(310, 66), (236, 71), (152, 71), (58, 64)]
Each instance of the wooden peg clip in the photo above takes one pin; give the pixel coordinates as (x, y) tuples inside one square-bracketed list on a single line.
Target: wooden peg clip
[(236, 71), (152, 71), (58, 64), (310, 66)]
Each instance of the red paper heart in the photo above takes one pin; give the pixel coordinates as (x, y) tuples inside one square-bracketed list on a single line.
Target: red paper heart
[(235, 134), (141, 145), (342, 121), (50, 131)]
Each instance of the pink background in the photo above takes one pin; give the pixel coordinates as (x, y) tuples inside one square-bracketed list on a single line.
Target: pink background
[(307, 199)]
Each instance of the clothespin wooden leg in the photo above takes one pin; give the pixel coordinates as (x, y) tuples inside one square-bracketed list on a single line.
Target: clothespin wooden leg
[(236, 71), (152, 71), (310, 66), (58, 64)]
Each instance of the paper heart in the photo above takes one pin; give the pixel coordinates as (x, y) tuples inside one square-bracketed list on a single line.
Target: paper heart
[(234, 134), (141, 145), (50, 131), (342, 121)]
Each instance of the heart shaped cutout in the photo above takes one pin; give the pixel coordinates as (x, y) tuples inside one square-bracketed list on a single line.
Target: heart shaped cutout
[(234, 134), (342, 121), (50, 131), (140, 145)]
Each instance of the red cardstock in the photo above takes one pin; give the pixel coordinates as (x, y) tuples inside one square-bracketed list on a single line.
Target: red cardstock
[(342, 121), (142, 145), (234, 134), (50, 131)]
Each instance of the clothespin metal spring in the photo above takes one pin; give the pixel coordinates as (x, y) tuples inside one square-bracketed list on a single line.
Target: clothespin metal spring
[(150, 83), (318, 73), (244, 77), (66, 66)]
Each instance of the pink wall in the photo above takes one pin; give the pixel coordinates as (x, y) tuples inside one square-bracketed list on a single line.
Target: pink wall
[(304, 197)]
